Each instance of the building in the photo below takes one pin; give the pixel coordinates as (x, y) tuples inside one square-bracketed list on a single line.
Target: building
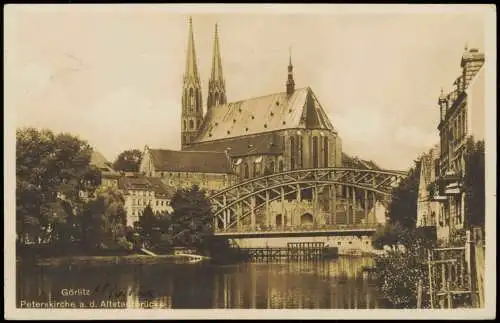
[(429, 213), (109, 177), (461, 116), (271, 133), (140, 192), (210, 170)]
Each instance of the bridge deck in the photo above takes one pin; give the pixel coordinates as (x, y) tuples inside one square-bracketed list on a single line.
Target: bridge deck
[(299, 231)]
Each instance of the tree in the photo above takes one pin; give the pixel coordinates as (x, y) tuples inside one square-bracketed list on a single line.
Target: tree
[(474, 183), (128, 161), (103, 221), (148, 223), (191, 221), (51, 172), (403, 206)]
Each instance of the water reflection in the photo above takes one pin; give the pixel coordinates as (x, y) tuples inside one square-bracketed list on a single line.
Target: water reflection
[(282, 285)]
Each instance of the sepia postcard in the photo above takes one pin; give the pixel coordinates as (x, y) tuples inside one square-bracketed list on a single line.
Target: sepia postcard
[(249, 161)]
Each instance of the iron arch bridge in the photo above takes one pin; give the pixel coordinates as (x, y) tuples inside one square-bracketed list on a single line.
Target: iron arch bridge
[(337, 198)]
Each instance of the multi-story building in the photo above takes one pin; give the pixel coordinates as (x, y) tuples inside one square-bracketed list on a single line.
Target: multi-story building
[(140, 192), (461, 116), (209, 170)]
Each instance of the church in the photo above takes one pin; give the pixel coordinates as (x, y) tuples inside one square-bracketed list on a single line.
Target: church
[(271, 133), (235, 141)]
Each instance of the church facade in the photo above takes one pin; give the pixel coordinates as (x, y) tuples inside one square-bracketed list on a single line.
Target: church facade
[(271, 133)]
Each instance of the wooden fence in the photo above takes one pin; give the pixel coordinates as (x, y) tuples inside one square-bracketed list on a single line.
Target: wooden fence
[(456, 274)]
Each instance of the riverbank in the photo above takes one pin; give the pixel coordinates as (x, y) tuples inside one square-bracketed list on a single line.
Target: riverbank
[(111, 260)]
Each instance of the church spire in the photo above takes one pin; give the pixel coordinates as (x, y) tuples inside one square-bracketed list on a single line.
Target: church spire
[(192, 111), (290, 83), (216, 84), (191, 65)]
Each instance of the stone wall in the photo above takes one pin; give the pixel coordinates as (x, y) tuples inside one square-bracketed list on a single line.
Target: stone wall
[(346, 244)]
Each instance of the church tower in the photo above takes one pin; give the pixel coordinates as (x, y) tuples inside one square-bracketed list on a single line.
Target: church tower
[(192, 111), (216, 84), (290, 83)]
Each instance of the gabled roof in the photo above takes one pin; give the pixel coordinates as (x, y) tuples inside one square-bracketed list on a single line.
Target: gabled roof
[(272, 112), (99, 161), (143, 183), (261, 144), (190, 161)]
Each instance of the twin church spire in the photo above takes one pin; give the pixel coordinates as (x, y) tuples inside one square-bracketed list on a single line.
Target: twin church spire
[(192, 110)]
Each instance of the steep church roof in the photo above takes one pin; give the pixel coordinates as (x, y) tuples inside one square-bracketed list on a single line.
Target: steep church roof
[(273, 112), (264, 143), (190, 161)]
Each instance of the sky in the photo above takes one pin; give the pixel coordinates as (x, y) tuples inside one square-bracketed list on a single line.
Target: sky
[(113, 74)]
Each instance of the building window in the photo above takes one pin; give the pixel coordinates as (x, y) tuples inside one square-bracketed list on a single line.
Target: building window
[(271, 166), (280, 165), (315, 152), (255, 170), (292, 153), (185, 126), (191, 124), (325, 151)]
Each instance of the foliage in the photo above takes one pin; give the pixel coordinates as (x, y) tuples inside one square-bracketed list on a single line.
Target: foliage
[(474, 183), (400, 270), (51, 172), (128, 161), (191, 221), (58, 201), (388, 235), (403, 206)]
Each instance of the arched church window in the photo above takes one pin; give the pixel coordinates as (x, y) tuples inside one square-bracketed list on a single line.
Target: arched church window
[(280, 165), (315, 152), (292, 153), (245, 171), (197, 124), (185, 125), (271, 166), (191, 124), (216, 100)]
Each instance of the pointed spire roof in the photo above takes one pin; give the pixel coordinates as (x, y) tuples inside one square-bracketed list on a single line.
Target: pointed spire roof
[(216, 60), (191, 65)]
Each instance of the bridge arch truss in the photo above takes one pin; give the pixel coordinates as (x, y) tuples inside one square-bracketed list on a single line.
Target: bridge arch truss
[(239, 204)]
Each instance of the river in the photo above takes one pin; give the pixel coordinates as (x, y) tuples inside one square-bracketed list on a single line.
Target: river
[(324, 284)]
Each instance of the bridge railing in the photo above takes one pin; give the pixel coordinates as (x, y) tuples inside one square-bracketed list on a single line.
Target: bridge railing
[(263, 229)]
